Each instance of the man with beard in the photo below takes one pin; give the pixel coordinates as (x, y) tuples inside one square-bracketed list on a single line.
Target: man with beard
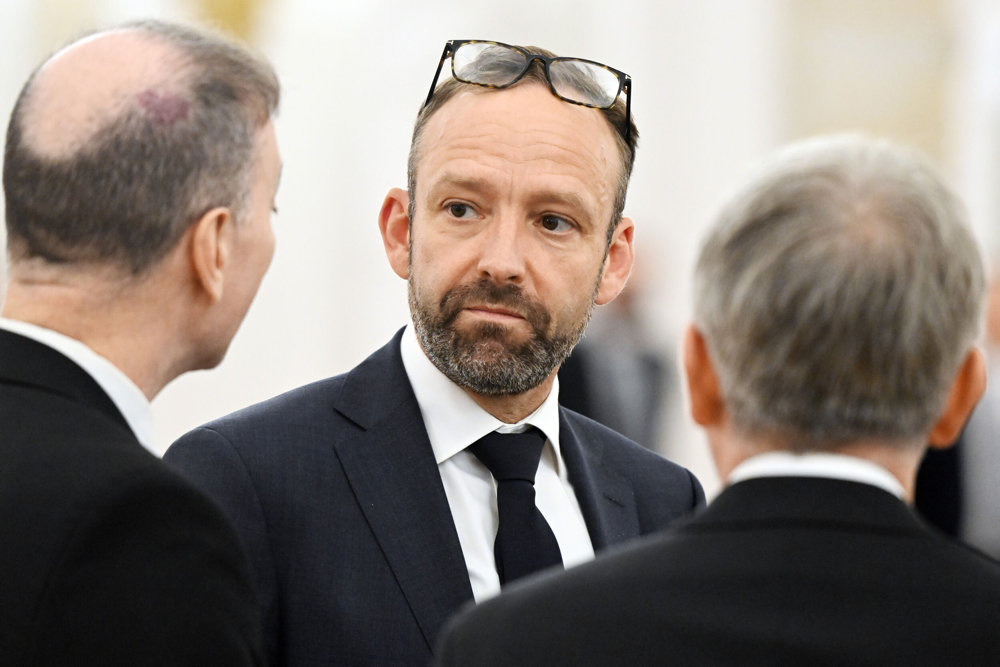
[(367, 501)]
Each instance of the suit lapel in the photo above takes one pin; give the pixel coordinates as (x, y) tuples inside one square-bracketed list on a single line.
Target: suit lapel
[(606, 498), (391, 468)]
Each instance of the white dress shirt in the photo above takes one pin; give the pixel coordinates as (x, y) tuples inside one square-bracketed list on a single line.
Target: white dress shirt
[(453, 422), (817, 464), (124, 393)]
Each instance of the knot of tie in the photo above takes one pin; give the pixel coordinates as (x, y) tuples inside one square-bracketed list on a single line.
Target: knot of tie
[(511, 456), (524, 542)]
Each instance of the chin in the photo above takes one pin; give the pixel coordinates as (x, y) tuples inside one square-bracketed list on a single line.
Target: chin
[(482, 333)]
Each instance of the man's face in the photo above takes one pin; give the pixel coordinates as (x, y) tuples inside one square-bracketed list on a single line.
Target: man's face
[(508, 244), (253, 236)]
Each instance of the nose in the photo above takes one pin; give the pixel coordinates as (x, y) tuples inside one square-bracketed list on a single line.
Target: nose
[(502, 251)]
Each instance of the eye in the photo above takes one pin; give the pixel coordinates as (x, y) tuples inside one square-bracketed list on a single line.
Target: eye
[(555, 223), (460, 210)]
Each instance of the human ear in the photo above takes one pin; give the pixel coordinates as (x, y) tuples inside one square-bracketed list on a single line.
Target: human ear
[(394, 224), (618, 264), (211, 245), (707, 406), (966, 390)]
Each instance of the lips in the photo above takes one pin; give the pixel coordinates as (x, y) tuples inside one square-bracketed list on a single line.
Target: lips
[(491, 301), (490, 309)]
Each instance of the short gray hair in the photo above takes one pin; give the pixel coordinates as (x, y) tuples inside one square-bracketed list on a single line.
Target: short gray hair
[(838, 294)]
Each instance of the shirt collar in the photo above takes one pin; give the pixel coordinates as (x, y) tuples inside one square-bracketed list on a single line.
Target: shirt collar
[(452, 419), (817, 464), (124, 393)]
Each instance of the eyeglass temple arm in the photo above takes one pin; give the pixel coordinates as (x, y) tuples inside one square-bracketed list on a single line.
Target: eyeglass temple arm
[(437, 72), (627, 87)]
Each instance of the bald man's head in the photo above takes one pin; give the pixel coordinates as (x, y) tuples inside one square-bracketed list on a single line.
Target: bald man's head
[(121, 140), (96, 82)]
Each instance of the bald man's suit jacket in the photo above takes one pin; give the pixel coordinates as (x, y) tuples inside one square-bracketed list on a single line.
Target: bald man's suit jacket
[(107, 556), (776, 571), (335, 489)]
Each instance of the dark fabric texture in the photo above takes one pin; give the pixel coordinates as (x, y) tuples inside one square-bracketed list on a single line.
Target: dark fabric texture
[(939, 491), (776, 571), (107, 556), (336, 494), (525, 542)]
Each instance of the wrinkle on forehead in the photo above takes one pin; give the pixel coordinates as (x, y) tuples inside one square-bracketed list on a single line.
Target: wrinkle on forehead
[(485, 131), (91, 83)]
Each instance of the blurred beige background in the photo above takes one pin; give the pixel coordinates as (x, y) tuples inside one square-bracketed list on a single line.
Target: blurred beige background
[(717, 83)]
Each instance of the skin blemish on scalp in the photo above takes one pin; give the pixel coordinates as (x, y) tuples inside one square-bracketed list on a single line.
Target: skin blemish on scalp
[(164, 109)]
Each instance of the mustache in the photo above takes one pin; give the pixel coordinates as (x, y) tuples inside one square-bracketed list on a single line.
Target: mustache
[(487, 292)]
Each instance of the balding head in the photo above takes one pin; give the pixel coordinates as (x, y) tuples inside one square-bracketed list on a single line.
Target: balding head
[(124, 138), (95, 82)]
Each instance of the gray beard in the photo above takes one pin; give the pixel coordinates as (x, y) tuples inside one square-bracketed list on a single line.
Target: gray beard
[(482, 360)]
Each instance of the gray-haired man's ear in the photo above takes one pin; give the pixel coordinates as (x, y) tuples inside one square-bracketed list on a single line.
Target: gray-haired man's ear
[(966, 390), (707, 407)]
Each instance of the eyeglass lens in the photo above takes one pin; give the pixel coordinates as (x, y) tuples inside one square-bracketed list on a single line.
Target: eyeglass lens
[(488, 64)]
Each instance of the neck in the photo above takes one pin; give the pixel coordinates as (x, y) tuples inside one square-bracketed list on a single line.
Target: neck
[(127, 325), (512, 408), (901, 459)]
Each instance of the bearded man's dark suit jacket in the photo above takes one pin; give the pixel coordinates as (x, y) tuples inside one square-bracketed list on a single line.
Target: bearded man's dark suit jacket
[(336, 492), (107, 556), (776, 571)]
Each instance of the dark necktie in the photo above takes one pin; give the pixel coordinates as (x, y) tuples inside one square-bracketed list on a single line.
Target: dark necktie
[(524, 542)]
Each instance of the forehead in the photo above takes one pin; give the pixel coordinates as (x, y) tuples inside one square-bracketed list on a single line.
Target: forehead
[(522, 129)]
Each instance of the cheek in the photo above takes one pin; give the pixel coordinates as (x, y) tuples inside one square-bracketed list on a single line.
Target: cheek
[(435, 269), (259, 254), (425, 284), (575, 276), (572, 292), (271, 244)]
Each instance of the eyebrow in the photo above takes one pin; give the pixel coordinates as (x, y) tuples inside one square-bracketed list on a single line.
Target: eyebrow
[(484, 185), (570, 199), (463, 182)]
